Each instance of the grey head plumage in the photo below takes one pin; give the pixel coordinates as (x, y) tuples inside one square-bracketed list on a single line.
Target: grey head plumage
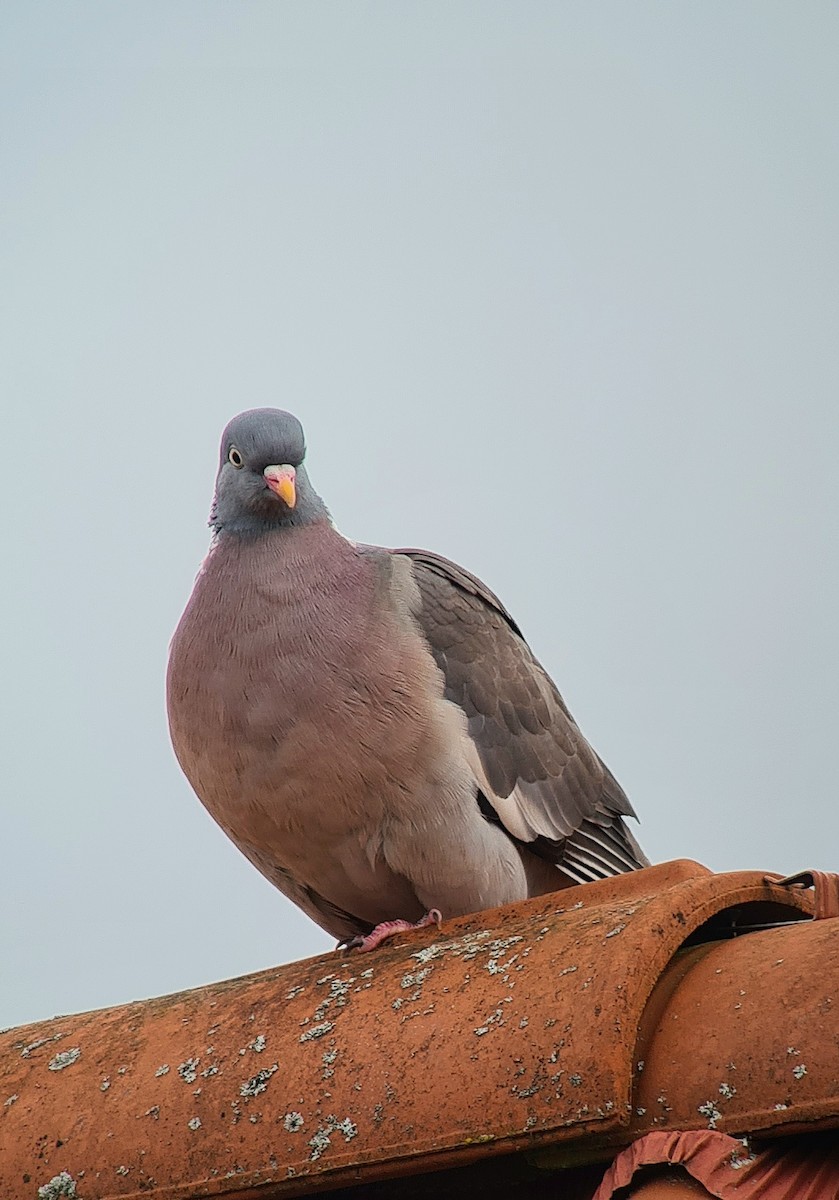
[(262, 484)]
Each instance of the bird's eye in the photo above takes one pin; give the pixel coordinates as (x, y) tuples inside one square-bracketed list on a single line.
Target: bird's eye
[(234, 457)]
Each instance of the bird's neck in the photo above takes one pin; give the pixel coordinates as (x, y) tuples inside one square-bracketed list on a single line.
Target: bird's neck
[(313, 547), (254, 526)]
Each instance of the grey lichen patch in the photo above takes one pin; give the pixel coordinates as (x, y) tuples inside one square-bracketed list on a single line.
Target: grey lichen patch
[(295, 991), (292, 1122), (727, 1091), (153, 1112), (258, 1082), (792, 1050), (497, 1018), (711, 1112), (500, 945), (188, 1070), (194, 1123), (122, 1170), (65, 1058), (258, 1043), (799, 1071), (468, 947), (348, 1128), (614, 932), (741, 1158), (736, 1160), (322, 1136), (317, 1031), (534, 1089), (415, 978), (494, 967), (339, 991), (319, 1142), (105, 1084), (429, 953), (62, 1184), (164, 1070), (338, 995), (328, 1060), (412, 981), (568, 970), (25, 1051), (11, 1100), (575, 1080), (212, 1069), (496, 948)]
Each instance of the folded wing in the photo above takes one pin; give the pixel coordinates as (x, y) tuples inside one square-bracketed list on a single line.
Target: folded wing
[(537, 776)]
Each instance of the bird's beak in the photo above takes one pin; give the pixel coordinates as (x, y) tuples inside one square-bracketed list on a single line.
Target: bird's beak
[(281, 482)]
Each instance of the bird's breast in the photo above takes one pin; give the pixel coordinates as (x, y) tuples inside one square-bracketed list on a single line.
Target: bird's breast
[(293, 690)]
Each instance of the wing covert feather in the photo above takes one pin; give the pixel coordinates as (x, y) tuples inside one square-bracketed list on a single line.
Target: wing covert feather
[(543, 781)]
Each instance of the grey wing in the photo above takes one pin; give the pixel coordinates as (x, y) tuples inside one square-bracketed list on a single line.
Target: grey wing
[(537, 775)]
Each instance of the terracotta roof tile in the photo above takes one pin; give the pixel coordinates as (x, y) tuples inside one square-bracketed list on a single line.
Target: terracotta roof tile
[(509, 1031), (730, 1168)]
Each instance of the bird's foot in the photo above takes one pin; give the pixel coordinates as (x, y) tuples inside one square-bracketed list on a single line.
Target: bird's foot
[(387, 930)]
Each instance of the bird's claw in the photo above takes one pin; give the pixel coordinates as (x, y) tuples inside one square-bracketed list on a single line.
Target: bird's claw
[(387, 930)]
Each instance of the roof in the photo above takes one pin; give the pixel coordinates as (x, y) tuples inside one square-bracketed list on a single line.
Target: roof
[(557, 1029), (726, 1167)]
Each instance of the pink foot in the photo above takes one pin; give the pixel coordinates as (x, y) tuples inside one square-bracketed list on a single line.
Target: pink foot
[(389, 929)]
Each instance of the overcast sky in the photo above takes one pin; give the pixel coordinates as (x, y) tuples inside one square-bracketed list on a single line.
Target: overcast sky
[(553, 289)]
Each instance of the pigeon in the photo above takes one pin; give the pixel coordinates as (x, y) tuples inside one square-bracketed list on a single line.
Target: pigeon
[(369, 725)]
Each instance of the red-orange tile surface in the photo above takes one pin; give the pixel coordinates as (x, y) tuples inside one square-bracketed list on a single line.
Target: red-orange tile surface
[(728, 1168), (511, 1030)]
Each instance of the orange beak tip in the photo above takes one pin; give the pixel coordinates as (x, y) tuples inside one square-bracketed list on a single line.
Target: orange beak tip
[(282, 484), (287, 491)]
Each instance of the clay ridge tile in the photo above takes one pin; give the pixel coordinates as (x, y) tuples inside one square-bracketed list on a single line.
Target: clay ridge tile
[(508, 1030)]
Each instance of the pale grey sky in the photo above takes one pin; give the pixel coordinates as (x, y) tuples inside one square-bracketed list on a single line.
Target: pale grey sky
[(553, 289)]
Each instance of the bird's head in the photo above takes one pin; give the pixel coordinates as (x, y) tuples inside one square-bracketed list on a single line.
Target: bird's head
[(261, 483)]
